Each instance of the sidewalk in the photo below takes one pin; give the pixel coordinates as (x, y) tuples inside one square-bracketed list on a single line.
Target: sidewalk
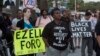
[(78, 53)]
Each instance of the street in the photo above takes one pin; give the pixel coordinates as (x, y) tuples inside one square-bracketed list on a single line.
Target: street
[(78, 53)]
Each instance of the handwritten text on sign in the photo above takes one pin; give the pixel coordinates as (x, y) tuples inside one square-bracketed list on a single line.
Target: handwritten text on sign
[(28, 41), (81, 29)]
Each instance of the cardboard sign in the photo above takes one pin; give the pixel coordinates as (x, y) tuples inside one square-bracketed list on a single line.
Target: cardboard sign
[(81, 29), (28, 41)]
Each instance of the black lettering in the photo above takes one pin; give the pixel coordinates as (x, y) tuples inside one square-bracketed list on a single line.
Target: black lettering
[(33, 44), (23, 37), (40, 32), (35, 33), (30, 33), (17, 35), (38, 43), (28, 44), (22, 44)]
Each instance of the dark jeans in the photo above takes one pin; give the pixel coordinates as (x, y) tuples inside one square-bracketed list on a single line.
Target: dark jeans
[(98, 51), (71, 44), (87, 41)]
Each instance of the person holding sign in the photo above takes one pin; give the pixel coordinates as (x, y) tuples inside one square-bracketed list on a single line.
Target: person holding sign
[(87, 41), (56, 35), (26, 22)]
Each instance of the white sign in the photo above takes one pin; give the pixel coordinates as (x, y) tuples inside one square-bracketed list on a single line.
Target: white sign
[(29, 3)]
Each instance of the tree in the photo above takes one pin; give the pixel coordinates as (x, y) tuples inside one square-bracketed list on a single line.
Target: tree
[(42, 4), (91, 6), (71, 4)]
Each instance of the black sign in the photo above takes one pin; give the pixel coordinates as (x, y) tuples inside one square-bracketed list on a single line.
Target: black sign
[(81, 29)]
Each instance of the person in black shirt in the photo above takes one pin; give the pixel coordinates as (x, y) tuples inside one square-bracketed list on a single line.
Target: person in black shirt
[(67, 18), (97, 30), (56, 35)]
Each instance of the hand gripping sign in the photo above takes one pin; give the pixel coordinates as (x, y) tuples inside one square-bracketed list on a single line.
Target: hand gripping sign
[(29, 3), (28, 41)]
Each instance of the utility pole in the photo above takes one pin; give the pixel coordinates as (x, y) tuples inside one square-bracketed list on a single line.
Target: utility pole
[(56, 2), (75, 7)]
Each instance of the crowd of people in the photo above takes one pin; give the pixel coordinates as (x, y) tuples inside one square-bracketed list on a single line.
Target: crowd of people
[(57, 33)]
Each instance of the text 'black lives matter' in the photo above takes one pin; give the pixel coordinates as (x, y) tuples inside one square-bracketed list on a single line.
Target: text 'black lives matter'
[(81, 29)]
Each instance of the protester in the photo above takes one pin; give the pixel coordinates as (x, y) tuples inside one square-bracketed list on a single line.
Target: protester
[(18, 18), (87, 41), (77, 40), (56, 35), (5, 25), (44, 19), (94, 22), (26, 22), (67, 18), (97, 30)]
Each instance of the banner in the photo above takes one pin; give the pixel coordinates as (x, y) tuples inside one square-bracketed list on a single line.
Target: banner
[(29, 3), (81, 29), (28, 41)]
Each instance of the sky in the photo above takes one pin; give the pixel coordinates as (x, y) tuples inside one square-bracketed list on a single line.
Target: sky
[(91, 0)]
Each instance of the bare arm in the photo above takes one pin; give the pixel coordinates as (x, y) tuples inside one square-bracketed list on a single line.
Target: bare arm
[(46, 42), (98, 39)]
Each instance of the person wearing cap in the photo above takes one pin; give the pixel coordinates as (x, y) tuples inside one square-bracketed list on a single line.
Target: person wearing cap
[(6, 27)]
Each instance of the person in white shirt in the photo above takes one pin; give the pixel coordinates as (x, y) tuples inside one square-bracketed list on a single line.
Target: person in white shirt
[(18, 18), (87, 41)]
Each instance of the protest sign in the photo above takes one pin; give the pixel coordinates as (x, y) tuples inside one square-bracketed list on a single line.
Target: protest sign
[(29, 3), (81, 29), (28, 41)]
